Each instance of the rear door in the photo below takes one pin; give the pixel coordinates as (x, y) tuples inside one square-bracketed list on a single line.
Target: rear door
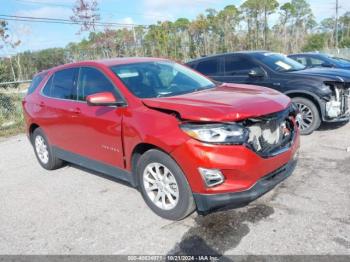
[(98, 129), (211, 67), (58, 107)]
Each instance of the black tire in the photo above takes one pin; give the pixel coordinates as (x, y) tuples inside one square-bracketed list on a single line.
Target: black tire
[(307, 128), (53, 162), (185, 204)]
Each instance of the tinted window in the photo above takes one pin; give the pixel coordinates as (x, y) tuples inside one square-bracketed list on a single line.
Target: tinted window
[(316, 62), (238, 65), (92, 81), (35, 82), (62, 84), (156, 79), (209, 67), (301, 60)]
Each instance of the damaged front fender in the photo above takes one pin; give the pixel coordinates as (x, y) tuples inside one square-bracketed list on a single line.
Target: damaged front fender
[(336, 107)]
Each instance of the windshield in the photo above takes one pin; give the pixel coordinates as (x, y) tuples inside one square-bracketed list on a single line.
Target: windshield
[(161, 78), (280, 63)]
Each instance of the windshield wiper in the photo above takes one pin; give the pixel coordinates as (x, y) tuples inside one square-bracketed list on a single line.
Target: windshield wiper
[(293, 70), (187, 91)]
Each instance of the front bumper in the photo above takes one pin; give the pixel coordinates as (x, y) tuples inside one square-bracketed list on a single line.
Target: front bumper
[(342, 118), (210, 202), (241, 167), (344, 109)]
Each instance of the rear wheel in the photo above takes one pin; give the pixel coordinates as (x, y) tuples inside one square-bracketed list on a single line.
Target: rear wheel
[(43, 151), (309, 119), (164, 186)]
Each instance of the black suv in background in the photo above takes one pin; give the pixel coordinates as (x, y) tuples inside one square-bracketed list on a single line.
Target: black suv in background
[(321, 60), (321, 94)]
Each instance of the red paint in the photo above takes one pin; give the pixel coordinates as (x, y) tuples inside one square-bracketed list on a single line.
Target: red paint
[(227, 102), (110, 134), (101, 98)]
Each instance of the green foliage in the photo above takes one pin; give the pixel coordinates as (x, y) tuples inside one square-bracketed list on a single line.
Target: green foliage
[(315, 42), (345, 42), (3, 32), (4, 72)]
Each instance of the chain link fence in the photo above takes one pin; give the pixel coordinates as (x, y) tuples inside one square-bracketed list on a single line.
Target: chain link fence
[(338, 52), (11, 116)]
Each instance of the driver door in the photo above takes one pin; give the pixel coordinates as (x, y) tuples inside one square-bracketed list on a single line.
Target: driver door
[(98, 128), (237, 69)]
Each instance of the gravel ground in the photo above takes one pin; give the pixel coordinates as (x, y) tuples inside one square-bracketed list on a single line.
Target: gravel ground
[(76, 211)]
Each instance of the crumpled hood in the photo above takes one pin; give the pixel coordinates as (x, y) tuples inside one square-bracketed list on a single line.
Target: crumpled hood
[(334, 74), (227, 102)]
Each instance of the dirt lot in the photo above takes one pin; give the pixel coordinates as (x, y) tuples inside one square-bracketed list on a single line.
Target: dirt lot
[(75, 211)]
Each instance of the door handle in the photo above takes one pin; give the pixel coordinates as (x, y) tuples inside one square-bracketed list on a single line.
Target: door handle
[(41, 104), (75, 111)]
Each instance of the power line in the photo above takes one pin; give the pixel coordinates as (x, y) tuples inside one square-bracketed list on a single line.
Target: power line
[(61, 21)]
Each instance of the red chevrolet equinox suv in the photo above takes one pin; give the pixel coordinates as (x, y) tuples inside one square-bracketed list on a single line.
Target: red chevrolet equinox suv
[(184, 141)]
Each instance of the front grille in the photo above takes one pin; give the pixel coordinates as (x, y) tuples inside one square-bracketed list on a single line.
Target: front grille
[(272, 134)]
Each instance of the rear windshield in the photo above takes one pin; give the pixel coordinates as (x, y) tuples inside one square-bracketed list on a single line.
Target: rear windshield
[(161, 78), (35, 83)]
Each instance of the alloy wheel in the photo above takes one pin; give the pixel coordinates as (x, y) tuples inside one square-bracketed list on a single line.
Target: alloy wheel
[(161, 186), (306, 116), (41, 149)]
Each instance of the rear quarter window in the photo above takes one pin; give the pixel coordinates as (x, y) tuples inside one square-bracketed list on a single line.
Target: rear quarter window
[(62, 84), (35, 83)]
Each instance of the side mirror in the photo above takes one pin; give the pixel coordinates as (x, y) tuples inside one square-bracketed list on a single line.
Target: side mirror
[(103, 99), (256, 72), (326, 64)]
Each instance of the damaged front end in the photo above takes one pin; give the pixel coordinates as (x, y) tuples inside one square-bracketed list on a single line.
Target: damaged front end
[(337, 104), (267, 135), (272, 134)]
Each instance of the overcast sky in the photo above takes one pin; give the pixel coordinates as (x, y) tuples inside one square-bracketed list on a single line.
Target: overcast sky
[(36, 36)]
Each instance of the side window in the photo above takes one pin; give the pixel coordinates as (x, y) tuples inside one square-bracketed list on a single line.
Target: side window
[(235, 65), (92, 81), (209, 67), (35, 83), (316, 61), (301, 60), (47, 88), (62, 84)]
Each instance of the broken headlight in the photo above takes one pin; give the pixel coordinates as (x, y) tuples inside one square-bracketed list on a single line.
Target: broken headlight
[(225, 133)]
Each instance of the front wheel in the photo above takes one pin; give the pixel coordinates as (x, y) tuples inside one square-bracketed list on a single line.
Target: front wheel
[(309, 119), (163, 186)]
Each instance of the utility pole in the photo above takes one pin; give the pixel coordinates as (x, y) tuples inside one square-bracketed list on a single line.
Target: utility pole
[(336, 23)]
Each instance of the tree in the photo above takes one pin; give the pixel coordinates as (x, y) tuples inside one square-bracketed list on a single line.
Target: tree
[(269, 7), (315, 42), (3, 33), (256, 13), (227, 23), (287, 11), (297, 20), (345, 42), (85, 12)]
